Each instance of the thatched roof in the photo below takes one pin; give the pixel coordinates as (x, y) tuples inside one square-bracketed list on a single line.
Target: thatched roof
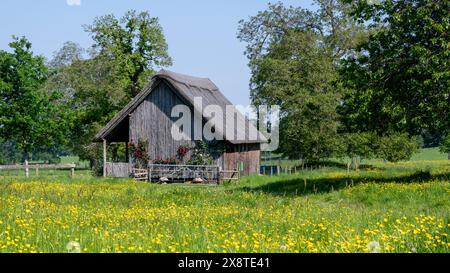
[(188, 88)]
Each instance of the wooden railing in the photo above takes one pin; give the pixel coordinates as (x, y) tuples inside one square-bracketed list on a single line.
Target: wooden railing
[(173, 173), (230, 175), (184, 173), (26, 167), (140, 174)]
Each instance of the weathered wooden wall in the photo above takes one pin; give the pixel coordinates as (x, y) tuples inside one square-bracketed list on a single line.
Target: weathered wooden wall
[(152, 121), (249, 154), (119, 170)]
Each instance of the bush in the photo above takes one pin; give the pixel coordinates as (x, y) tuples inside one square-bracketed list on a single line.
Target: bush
[(200, 154), (445, 145), (46, 157), (356, 146), (395, 147), (139, 153), (2, 159), (9, 153)]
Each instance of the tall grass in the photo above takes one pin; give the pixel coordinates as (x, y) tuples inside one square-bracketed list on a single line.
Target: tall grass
[(388, 208)]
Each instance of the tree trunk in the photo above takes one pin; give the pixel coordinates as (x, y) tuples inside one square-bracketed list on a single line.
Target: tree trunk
[(25, 155)]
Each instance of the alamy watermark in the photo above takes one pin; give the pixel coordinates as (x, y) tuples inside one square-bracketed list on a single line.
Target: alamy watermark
[(217, 122)]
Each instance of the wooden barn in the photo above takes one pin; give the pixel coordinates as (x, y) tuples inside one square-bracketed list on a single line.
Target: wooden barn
[(148, 117)]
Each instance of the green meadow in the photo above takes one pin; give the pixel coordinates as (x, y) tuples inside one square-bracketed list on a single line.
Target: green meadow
[(403, 207)]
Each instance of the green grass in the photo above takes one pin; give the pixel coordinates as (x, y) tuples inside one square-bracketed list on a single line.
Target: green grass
[(75, 159), (82, 170), (389, 208), (427, 154)]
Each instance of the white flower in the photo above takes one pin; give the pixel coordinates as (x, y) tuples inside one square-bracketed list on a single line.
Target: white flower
[(283, 248), (374, 247), (73, 247)]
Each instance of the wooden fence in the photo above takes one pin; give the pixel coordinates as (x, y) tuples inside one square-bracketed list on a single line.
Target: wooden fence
[(26, 167), (271, 170), (119, 170)]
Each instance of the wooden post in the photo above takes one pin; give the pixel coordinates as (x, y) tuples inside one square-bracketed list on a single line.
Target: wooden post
[(150, 174), (126, 152), (218, 175), (104, 157), (72, 170), (27, 174), (37, 170)]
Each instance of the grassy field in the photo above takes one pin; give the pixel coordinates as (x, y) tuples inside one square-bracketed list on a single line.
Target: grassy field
[(428, 154), (402, 207)]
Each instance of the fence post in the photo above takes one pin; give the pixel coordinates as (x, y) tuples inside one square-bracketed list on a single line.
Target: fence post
[(218, 175), (26, 169), (37, 170), (150, 174), (104, 157), (72, 170)]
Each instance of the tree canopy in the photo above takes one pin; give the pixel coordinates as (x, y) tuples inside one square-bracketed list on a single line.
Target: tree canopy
[(294, 55), (352, 68), (135, 43), (400, 78), (31, 117)]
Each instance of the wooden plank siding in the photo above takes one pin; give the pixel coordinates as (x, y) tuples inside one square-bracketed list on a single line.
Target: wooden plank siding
[(248, 154), (152, 121), (119, 170)]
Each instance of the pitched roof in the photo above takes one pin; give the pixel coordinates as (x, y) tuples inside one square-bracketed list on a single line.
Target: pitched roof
[(189, 87)]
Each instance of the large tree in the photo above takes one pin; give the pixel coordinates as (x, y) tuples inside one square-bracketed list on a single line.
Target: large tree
[(400, 78), (136, 44), (93, 91), (294, 55), (98, 82), (31, 118), (297, 75)]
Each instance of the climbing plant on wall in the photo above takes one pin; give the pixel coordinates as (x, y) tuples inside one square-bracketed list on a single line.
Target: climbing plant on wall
[(139, 153)]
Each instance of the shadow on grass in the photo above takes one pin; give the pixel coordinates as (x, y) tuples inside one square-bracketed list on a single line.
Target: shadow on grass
[(305, 186)]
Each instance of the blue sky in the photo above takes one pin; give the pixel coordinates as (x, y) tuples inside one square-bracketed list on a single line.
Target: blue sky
[(201, 33)]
